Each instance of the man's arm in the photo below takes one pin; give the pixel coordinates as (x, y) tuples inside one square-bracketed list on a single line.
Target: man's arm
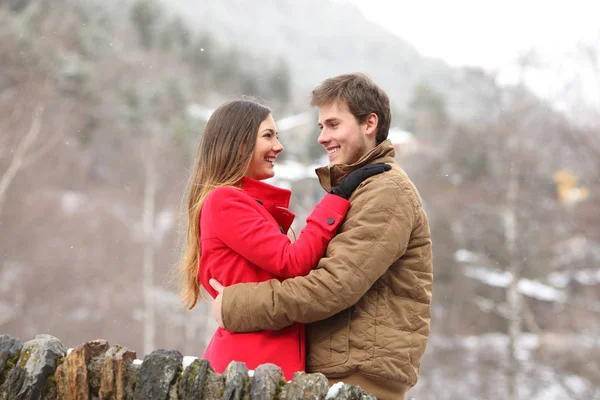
[(375, 234)]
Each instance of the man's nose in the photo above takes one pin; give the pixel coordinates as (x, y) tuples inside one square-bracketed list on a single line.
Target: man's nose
[(323, 137)]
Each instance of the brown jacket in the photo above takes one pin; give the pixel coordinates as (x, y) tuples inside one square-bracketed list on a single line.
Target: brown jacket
[(368, 302)]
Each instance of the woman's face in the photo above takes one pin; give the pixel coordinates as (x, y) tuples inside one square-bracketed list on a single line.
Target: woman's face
[(265, 152)]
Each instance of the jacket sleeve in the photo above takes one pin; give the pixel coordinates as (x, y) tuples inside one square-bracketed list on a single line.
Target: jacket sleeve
[(375, 234), (239, 225)]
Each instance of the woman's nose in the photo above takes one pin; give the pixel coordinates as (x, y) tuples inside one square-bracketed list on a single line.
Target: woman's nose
[(278, 147)]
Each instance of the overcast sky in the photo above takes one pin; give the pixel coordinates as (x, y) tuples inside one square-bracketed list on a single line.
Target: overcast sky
[(483, 32), (492, 34)]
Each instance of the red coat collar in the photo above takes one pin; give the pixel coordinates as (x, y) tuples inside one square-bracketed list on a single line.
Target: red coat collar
[(274, 199)]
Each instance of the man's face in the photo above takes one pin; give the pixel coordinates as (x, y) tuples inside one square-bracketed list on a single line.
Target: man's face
[(341, 135)]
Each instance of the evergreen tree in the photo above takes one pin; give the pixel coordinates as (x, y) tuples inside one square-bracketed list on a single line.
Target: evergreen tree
[(145, 15)]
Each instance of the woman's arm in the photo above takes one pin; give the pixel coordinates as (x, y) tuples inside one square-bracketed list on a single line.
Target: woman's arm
[(239, 225)]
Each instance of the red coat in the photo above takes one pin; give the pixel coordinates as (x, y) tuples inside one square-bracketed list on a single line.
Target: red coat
[(243, 239)]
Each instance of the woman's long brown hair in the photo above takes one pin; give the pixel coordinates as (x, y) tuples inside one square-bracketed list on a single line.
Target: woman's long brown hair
[(223, 156)]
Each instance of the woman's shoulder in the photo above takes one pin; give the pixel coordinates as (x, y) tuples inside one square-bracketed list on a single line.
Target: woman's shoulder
[(224, 195)]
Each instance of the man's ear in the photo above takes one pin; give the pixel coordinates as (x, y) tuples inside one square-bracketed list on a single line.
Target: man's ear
[(371, 125)]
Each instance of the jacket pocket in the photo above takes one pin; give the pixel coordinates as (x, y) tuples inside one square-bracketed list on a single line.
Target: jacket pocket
[(328, 341)]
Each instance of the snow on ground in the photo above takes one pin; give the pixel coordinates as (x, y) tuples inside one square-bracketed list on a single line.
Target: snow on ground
[(475, 367), (187, 360), (527, 287), (334, 390)]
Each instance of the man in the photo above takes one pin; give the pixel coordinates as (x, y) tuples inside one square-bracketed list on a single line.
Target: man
[(367, 304)]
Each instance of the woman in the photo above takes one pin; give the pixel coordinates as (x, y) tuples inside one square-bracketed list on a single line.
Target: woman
[(238, 224)]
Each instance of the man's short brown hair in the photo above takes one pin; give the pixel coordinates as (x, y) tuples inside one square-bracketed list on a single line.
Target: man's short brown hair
[(361, 95)]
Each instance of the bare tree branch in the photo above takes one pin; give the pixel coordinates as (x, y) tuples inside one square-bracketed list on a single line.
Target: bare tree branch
[(16, 164), (42, 151)]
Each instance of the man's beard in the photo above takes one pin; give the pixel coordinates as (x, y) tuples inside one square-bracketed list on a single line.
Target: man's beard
[(357, 153)]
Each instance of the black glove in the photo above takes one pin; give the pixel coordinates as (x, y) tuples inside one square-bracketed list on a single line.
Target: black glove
[(347, 185)]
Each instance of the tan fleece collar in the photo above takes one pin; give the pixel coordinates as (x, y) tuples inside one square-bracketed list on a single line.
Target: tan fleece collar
[(329, 177)]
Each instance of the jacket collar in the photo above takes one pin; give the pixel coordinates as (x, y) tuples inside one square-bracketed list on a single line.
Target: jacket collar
[(328, 177), (266, 194), (275, 200)]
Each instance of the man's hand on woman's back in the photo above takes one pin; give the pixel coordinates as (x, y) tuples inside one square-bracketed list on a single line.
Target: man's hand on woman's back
[(217, 303)]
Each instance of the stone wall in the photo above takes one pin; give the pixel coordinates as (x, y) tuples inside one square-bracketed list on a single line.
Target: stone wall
[(41, 369)]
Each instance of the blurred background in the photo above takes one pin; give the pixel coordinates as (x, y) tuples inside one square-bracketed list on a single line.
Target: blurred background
[(496, 118)]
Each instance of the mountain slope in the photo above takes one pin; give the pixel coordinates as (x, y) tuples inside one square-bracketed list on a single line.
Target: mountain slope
[(325, 38)]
